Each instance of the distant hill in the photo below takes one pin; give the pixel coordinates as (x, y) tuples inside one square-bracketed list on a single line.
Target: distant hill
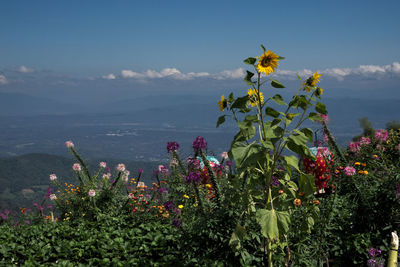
[(24, 179)]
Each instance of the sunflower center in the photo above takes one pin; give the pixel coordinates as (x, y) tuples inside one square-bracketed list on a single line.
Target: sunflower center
[(266, 61)]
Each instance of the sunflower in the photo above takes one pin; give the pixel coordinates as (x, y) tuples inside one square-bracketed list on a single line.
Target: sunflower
[(223, 103), (253, 97), (312, 81), (268, 62)]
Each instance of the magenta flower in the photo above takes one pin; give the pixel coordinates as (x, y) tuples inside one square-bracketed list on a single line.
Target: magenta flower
[(77, 167), (365, 141), (349, 171), (121, 167), (53, 177), (381, 135), (354, 146), (199, 144), (193, 177), (69, 144), (103, 164), (140, 171), (172, 147), (324, 117), (92, 192)]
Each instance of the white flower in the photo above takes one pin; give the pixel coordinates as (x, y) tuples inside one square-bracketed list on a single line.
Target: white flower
[(53, 197), (53, 177), (121, 167), (92, 192), (102, 164)]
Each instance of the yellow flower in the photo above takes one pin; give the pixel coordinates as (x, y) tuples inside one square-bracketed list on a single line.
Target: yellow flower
[(312, 81), (222, 103), (180, 206), (253, 97), (185, 196), (268, 62), (297, 202), (357, 163), (361, 172), (365, 172), (208, 185)]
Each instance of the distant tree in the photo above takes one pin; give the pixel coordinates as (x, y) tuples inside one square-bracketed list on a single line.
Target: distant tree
[(368, 130), (393, 125)]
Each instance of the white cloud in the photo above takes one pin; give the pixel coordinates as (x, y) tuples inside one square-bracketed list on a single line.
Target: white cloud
[(3, 79), (109, 77), (369, 71), (230, 74), (24, 69), (164, 73)]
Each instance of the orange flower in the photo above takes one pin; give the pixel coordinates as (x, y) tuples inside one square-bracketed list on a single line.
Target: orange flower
[(363, 164), (280, 191), (301, 194), (297, 202), (316, 202)]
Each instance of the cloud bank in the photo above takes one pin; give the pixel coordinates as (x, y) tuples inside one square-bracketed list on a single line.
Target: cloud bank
[(24, 69), (3, 79)]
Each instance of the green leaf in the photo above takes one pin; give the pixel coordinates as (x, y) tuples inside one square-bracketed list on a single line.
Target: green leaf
[(221, 120), (251, 118), (280, 58), (307, 183), (314, 116), (271, 112), (250, 60), (319, 107), (292, 161), (247, 131), (247, 155), (247, 78), (278, 99), (240, 102), (268, 221), (308, 133), (277, 84), (237, 237), (231, 98), (283, 221), (298, 77)]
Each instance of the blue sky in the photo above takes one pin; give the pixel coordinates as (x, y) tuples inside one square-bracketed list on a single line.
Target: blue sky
[(76, 40)]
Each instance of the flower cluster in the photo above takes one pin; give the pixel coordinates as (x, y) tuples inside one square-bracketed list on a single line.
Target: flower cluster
[(172, 147), (375, 260), (199, 144)]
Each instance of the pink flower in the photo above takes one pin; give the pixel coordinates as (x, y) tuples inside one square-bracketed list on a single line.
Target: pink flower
[(92, 193), (380, 147), (381, 135), (69, 144), (77, 167), (349, 171), (53, 177), (121, 167), (354, 146), (160, 168), (365, 141), (224, 155), (102, 164), (107, 176), (398, 147), (53, 197), (325, 118)]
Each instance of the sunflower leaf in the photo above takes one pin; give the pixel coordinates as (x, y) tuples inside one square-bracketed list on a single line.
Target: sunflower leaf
[(247, 79), (277, 84), (221, 120), (278, 99), (250, 60), (319, 107)]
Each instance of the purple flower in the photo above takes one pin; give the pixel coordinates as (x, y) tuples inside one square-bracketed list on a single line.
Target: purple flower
[(172, 146), (162, 190), (371, 263), (49, 192), (199, 144), (140, 171), (274, 180), (229, 163), (177, 222), (374, 252), (193, 177), (169, 205), (193, 163)]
